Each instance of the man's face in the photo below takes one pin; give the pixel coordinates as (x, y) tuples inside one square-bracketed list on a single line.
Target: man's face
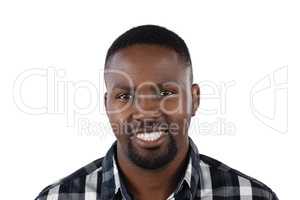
[(149, 103)]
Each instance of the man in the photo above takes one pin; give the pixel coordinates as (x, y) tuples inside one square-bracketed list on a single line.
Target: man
[(150, 100)]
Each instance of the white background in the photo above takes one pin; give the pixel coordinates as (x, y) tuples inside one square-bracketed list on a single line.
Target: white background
[(242, 43)]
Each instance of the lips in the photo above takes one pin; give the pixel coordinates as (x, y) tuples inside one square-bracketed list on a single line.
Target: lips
[(150, 139)]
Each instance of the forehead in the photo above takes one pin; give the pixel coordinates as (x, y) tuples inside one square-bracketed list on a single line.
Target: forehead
[(145, 63)]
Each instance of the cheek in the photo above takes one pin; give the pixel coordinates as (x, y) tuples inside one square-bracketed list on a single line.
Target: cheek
[(115, 107), (170, 105), (118, 119), (179, 126), (116, 110), (116, 124), (176, 105), (178, 111)]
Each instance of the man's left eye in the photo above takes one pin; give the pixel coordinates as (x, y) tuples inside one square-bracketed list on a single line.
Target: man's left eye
[(165, 93)]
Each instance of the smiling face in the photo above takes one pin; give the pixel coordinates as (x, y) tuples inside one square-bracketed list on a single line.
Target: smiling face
[(149, 102)]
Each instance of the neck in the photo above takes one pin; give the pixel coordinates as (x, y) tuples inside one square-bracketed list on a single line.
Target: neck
[(156, 184)]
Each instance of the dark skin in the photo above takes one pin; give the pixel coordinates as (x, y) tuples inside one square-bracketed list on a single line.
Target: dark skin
[(173, 100)]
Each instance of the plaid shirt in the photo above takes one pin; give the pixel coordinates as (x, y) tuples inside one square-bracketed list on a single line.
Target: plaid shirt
[(204, 179)]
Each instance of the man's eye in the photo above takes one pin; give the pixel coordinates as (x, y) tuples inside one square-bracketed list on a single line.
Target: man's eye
[(165, 93), (124, 97)]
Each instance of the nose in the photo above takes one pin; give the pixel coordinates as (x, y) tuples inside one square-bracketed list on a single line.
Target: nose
[(146, 107)]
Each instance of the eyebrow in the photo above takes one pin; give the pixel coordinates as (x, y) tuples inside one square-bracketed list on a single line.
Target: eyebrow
[(126, 87), (121, 86)]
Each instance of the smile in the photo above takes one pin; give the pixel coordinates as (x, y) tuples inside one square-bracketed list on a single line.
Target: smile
[(149, 137)]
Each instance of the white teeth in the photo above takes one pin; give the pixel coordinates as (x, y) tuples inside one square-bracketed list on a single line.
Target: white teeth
[(149, 136)]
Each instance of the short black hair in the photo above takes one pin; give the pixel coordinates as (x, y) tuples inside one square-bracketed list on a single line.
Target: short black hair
[(150, 34)]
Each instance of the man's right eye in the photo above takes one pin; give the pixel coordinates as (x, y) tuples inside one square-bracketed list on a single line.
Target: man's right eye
[(124, 96)]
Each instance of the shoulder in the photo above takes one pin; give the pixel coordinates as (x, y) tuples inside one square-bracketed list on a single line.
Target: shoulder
[(75, 183), (224, 179)]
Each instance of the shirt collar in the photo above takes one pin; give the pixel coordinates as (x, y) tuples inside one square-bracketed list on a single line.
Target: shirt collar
[(112, 184)]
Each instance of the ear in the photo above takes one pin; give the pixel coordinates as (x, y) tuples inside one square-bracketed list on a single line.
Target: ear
[(195, 98), (105, 99)]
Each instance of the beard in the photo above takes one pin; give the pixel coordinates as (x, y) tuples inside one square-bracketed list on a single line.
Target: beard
[(156, 160)]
